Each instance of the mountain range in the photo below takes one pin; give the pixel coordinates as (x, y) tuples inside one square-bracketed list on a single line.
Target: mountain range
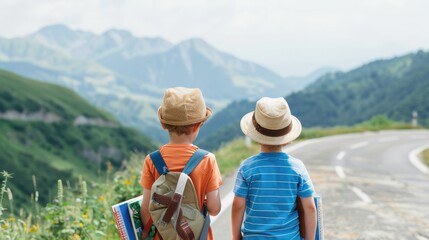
[(127, 75), (49, 127), (394, 87)]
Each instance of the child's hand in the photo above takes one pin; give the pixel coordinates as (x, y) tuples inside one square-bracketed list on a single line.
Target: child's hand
[(239, 237)]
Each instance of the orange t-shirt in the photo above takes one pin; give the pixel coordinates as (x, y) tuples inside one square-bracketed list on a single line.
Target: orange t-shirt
[(206, 176)]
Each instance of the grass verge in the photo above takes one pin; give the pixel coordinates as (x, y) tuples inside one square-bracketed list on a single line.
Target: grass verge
[(425, 157), (230, 156)]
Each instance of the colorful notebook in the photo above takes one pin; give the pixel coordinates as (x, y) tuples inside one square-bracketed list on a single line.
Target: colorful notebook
[(319, 228), (319, 217), (128, 225), (134, 209)]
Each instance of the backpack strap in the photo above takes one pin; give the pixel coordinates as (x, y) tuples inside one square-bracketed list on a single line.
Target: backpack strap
[(205, 231), (173, 211), (159, 162), (176, 200), (190, 166), (194, 161)]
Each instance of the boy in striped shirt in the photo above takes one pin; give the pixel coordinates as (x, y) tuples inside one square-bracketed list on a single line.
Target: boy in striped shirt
[(269, 183)]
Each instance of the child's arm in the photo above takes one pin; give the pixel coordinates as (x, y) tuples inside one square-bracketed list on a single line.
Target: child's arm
[(144, 210), (309, 217), (237, 213), (213, 202)]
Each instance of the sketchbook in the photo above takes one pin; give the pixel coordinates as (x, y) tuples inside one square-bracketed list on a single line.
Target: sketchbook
[(319, 217), (127, 218)]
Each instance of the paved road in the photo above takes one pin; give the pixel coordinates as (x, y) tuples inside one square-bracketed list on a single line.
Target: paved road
[(370, 189)]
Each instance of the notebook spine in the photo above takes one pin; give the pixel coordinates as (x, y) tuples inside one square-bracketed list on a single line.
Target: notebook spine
[(120, 224), (319, 218)]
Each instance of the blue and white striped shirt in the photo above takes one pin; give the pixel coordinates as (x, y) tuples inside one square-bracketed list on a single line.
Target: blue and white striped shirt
[(270, 183)]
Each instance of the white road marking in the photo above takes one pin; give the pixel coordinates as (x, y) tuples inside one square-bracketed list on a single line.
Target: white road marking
[(341, 155), (414, 159), (300, 145), (418, 137), (363, 196), (388, 139), (358, 145), (226, 202), (340, 172), (420, 237)]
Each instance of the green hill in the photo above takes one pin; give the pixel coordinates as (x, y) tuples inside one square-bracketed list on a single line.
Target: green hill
[(24, 95), (393, 88), (50, 132), (224, 126)]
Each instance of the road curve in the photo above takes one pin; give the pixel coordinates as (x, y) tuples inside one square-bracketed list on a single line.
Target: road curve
[(370, 188)]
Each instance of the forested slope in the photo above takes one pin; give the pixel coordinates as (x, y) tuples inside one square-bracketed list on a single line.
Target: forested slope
[(50, 132)]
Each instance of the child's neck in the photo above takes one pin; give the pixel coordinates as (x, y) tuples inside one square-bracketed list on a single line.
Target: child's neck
[(270, 148), (182, 139)]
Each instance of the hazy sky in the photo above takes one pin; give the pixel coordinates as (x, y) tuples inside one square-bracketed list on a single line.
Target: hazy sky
[(291, 37)]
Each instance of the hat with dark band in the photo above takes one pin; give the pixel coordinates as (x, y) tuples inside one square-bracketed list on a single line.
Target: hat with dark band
[(271, 123)]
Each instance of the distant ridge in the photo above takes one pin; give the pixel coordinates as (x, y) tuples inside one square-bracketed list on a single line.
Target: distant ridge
[(81, 44), (392, 87), (116, 69)]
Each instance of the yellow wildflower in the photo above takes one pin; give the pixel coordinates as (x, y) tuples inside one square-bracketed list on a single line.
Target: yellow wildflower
[(101, 198), (134, 177), (81, 225), (109, 167), (128, 182), (11, 219), (75, 237), (85, 215), (34, 228)]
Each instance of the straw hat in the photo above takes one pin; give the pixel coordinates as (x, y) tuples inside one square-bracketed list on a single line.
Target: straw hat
[(271, 123), (183, 106)]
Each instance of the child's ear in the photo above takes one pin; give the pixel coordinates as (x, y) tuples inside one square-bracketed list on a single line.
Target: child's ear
[(163, 126), (196, 126)]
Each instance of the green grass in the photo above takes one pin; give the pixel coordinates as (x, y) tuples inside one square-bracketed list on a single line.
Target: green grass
[(376, 123), (231, 155), (62, 151), (323, 132), (425, 156), (80, 210)]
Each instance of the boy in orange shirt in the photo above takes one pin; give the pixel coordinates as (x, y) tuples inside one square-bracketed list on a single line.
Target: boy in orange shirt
[(183, 112)]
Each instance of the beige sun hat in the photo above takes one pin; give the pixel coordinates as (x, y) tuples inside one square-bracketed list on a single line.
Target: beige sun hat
[(183, 106), (271, 123)]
